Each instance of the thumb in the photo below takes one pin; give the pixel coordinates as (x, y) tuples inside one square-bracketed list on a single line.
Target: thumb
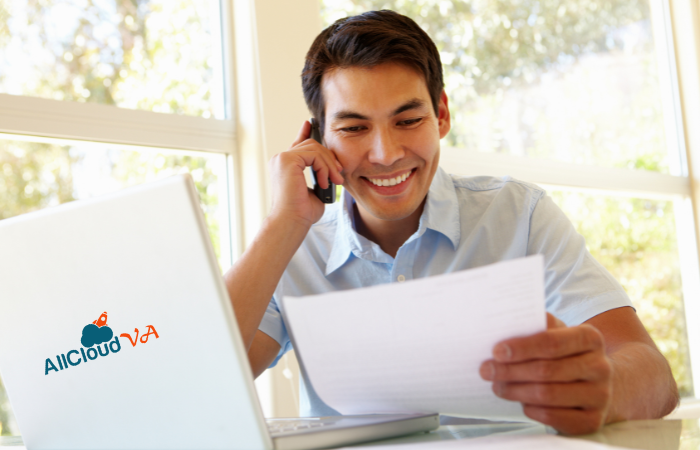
[(553, 322)]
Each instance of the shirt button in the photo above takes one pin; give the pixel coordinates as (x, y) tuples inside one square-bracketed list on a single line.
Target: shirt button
[(401, 278)]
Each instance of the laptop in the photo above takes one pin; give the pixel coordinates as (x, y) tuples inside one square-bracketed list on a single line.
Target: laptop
[(116, 332)]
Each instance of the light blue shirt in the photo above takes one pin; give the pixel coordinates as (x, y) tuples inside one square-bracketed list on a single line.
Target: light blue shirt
[(466, 223)]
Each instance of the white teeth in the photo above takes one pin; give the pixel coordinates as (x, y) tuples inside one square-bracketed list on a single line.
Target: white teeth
[(390, 181)]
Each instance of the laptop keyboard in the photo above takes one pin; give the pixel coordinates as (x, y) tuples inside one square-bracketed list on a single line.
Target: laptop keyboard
[(277, 426)]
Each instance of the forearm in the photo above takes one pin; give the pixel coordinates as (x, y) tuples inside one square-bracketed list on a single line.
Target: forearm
[(251, 282), (643, 386)]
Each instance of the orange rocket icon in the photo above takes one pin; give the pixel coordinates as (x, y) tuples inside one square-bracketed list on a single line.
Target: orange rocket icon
[(102, 321)]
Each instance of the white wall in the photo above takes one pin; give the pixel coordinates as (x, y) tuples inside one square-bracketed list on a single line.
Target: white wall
[(284, 31)]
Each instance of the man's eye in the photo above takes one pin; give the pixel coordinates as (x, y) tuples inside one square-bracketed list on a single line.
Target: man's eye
[(410, 121), (352, 129)]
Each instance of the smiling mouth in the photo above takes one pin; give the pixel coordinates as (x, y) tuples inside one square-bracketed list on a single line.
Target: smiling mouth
[(390, 181)]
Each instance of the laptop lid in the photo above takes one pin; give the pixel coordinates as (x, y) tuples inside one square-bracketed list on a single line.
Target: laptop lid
[(116, 330)]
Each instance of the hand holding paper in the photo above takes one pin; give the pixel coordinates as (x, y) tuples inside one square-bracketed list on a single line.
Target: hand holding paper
[(417, 346), (562, 376)]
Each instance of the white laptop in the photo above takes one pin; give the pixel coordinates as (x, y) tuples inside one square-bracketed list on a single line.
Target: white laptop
[(116, 332)]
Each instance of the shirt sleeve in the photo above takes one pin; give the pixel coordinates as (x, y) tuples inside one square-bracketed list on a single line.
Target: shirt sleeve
[(577, 287), (273, 325)]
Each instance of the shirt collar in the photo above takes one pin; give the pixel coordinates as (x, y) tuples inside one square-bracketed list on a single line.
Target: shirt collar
[(441, 214)]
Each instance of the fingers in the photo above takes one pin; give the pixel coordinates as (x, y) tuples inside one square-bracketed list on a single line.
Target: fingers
[(562, 376), (292, 201), (551, 344), (591, 366), (567, 420), (318, 158), (587, 395), (326, 166), (324, 163), (304, 134), (553, 322), (330, 168)]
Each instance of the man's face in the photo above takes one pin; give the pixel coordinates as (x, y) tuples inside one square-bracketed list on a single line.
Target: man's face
[(381, 125)]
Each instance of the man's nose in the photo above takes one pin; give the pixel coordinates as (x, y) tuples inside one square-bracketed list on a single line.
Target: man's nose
[(386, 148)]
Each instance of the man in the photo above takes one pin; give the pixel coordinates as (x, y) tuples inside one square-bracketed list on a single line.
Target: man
[(374, 83)]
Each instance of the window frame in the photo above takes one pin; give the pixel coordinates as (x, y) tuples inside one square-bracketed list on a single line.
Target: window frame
[(65, 122)]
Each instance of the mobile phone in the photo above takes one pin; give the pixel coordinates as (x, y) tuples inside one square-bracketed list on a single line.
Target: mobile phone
[(325, 195)]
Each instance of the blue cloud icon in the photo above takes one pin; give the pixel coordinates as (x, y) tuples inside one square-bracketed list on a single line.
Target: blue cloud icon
[(92, 334)]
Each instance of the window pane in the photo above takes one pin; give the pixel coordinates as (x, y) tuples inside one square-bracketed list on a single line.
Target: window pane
[(157, 55), (568, 80), (36, 175), (635, 239)]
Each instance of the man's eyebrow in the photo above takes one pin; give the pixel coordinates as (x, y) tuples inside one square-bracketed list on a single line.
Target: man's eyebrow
[(348, 114), (411, 104), (345, 114)]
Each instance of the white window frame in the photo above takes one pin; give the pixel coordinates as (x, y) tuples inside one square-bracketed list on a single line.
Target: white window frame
[(39, 119)]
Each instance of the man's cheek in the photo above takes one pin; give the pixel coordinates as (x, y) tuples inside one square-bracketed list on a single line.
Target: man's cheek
[(349, 164)]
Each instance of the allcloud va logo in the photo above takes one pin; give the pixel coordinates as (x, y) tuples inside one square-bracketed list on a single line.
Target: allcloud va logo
[(97, 341)]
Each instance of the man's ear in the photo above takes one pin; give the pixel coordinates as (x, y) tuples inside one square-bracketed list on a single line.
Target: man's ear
[(443, 115)]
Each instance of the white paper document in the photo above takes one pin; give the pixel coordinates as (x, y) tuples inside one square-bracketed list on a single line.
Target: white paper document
[(417, 346), (505, 442)]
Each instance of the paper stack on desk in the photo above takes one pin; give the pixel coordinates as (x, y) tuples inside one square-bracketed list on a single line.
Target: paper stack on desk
[(417, 346)]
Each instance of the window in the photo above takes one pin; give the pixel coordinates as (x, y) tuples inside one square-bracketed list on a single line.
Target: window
[(583, 98), (636, 239), (96, 96), (41, 174), (155, 55)]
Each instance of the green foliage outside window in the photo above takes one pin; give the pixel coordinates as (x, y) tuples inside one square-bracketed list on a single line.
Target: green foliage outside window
[(38, 175), (635, 239), (5, 413), (157, 55), (572, 80)]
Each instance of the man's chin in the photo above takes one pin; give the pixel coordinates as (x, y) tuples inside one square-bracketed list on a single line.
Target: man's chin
[(389, 212)]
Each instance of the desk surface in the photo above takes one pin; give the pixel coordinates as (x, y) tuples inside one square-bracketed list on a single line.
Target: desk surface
[(637, 434)]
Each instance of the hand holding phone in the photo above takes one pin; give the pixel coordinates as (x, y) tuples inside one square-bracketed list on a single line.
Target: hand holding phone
[(325, 195)]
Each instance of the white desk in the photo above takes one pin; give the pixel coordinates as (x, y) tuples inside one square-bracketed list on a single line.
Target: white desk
[(637, 434), (641, 434)]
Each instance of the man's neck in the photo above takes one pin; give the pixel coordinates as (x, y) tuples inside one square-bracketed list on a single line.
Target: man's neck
[(390, 235)]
